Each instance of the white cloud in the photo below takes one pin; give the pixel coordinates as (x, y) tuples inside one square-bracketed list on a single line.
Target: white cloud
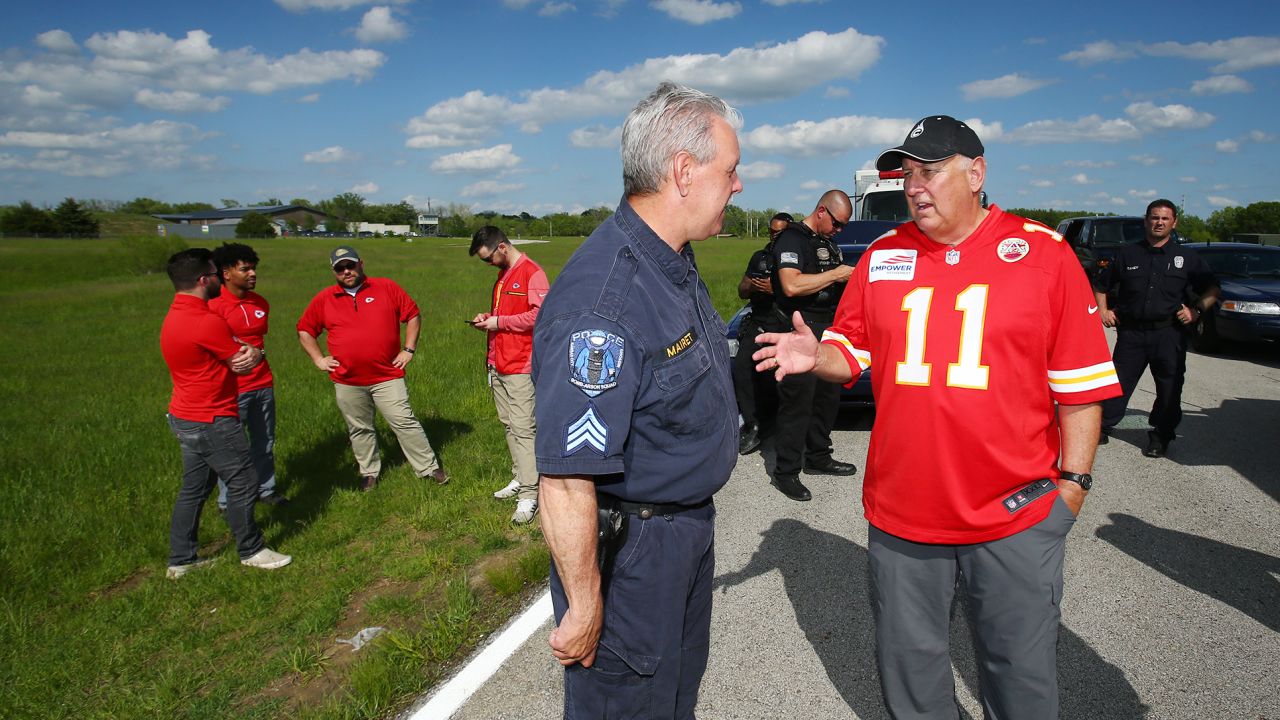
[(1219, 201), (1221, 85), (331, 154), (364, 188), (1091, 128), (1090, 164), (552, 9), (812, 185), (1227, 146), (1259, 136), (1180, 117), (784, 3), (1042, 183), (179, 101), (1146, 160), (160, 145), (498, 157), (1081, 179), (379, 26), (517, 4), (834, 91), (487, 188), (1096, 52), (1005, 86), (760, 170), (1143, 194), (313, 97), (596, 136), (743, 75), (58, 41), (1188, 178), (304, 5), (698, 12), (827, 137)]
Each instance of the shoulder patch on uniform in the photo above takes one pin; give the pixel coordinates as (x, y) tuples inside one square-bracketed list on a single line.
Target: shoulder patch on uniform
[(686, 340), (587, 431), (595, 359), (789, 257)]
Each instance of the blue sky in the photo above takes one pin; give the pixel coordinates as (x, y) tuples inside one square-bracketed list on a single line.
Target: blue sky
[(515, 105)]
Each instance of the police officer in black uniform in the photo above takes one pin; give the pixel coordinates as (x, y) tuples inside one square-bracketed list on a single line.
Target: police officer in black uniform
[(755, 391), (1163, 289), (637, 427), (809, 277)]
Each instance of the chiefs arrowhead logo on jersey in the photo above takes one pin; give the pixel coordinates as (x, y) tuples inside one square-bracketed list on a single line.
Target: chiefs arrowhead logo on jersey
[(1013, 249), (259, 314)]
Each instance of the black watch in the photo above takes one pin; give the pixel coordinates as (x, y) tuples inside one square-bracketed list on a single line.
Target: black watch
[(409, 350), (1084, 480)]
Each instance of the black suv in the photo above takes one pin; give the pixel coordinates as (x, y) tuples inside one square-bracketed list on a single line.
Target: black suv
[(1096, 239)]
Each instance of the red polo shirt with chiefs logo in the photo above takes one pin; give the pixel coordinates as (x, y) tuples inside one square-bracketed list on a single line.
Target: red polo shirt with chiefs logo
[(196, 343), (247, 318), (969, 348), (364, 330)]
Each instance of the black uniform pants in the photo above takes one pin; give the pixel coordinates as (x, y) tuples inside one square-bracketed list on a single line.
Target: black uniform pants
[(807, 409), (1165, 351), (756, 392)]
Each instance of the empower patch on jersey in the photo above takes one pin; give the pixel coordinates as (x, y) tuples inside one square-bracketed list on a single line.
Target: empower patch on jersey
[(892, 264), (595, 358), (587, 431), (684, 343), (1013, 249)]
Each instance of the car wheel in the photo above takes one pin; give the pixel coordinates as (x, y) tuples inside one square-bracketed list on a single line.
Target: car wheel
[(1206, 337)]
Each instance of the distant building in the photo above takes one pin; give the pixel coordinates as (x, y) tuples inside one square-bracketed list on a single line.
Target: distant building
[(221, 224), (428, 224)]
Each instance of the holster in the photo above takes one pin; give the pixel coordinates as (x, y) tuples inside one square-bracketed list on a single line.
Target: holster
[(611, 533)]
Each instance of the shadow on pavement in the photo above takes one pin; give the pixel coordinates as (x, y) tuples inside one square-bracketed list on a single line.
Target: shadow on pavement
[(835, 613), (1239, 434), (1241, 578)]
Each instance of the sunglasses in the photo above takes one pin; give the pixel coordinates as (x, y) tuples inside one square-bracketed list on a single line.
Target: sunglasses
[(836, 225), (344, 267)]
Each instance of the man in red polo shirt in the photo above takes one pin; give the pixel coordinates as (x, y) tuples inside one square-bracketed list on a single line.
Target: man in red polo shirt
[(247, 313), (517, 297), (366, 362), (203, 358)]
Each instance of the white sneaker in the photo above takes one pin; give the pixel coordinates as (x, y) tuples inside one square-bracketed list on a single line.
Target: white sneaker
[(267, 559), (510, 490), (525, 510), (176, 571)]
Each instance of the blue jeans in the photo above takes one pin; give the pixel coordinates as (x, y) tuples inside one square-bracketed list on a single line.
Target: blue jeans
[(258, 415), (210, 450)]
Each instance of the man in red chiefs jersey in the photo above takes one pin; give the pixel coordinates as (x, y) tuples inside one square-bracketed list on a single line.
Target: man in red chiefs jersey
[(203, 359), (517, 297), (247, 313), (988, 366), (366, 362)]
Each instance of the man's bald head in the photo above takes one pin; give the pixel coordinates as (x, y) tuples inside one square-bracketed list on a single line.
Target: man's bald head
[(837, 203)]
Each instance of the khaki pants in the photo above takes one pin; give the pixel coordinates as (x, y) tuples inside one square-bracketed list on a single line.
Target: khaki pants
[(513, 398), (391, 398)]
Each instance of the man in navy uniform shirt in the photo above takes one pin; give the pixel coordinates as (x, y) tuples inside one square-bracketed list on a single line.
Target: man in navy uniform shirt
[(636, 416)]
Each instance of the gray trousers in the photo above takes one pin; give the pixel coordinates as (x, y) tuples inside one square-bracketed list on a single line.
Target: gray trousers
[(1014, 586), (258, 415), (210, 450)]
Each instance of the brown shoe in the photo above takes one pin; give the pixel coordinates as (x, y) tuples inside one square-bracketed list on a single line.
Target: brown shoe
[(368, 482), (439, 476)]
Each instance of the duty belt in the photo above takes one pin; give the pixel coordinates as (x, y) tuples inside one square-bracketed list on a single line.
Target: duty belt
[(1145, 324), (647, 510)]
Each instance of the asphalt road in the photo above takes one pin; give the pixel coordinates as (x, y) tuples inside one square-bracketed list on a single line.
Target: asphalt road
[(1172, 602)]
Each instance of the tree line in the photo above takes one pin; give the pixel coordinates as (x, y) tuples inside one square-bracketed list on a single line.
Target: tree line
[(69, 219)]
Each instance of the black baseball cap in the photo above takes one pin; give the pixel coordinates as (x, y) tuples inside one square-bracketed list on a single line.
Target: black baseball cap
[(934, 138), (343, 252)]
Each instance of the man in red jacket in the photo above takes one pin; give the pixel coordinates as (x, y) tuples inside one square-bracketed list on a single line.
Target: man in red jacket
[(366, 362), (247, 313), (203, 358), (517, 297)]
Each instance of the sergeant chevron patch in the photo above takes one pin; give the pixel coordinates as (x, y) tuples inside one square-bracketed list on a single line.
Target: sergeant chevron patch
[(587, 430)]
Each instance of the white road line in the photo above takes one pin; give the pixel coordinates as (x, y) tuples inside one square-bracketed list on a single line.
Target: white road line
[(446, 700)]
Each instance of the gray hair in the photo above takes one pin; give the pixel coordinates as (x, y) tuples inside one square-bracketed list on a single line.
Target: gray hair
[(671, 119)]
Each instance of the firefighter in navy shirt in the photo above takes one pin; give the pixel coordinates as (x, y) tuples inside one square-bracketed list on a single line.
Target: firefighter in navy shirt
[(636, 418)]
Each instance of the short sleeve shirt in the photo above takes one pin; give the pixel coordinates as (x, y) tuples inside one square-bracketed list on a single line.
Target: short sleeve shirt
[(248, 319), (761, 266), (631, 370), (1154, 282), (364, 330), (802, 249), (196, 343), (970, 348)]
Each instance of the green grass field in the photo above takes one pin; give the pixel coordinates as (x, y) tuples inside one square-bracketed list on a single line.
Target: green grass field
[(89, 626)]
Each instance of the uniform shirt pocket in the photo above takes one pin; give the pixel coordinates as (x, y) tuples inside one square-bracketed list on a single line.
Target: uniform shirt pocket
[(683, 369)]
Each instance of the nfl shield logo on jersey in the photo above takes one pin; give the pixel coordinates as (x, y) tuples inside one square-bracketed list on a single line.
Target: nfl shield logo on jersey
[(595, 357)]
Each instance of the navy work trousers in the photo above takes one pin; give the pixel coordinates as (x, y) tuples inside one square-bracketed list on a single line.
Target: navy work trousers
[(657, 623), (1165, 351)]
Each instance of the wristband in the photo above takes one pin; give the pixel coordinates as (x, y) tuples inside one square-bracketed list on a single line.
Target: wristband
[(409, 350)]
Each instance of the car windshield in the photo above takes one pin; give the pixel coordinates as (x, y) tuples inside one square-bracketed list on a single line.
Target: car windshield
[(885, 206), (1244, 263), (1110, 233)]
